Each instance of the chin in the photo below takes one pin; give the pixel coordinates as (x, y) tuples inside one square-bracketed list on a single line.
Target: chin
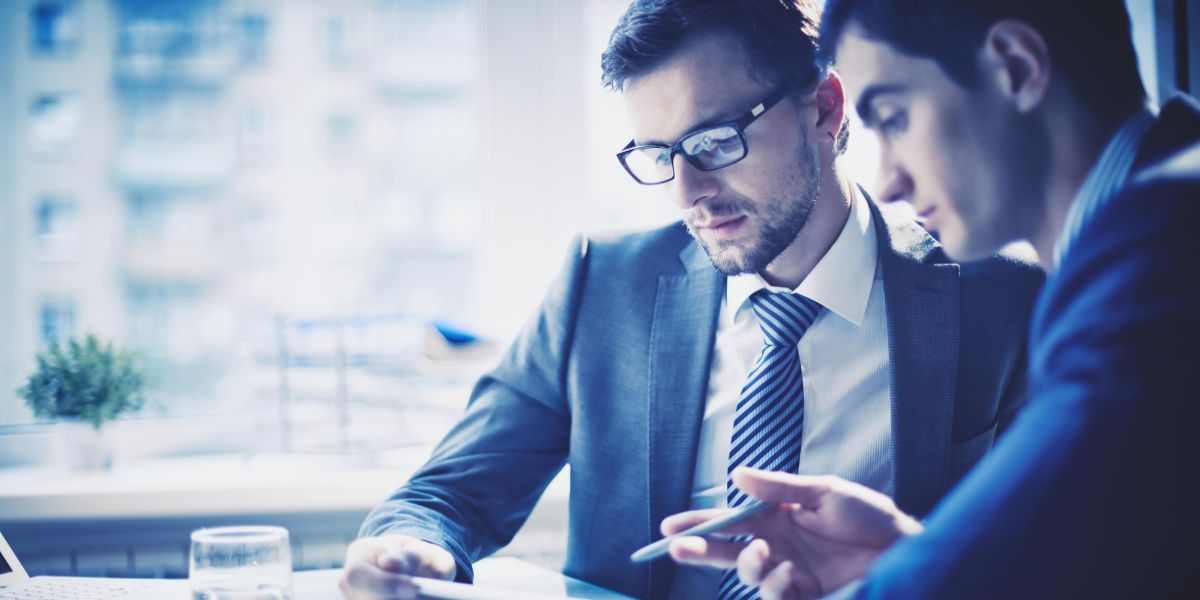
[(730, 260), (964, 248)]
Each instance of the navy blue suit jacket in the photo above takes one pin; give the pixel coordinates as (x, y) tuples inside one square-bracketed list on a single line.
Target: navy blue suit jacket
[(611, 376), (1093, 491)]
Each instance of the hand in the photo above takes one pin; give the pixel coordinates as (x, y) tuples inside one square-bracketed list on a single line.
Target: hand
[(826, 533), (382, 567)]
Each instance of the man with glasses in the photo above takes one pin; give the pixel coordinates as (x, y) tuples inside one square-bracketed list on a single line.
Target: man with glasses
[(786, 324)]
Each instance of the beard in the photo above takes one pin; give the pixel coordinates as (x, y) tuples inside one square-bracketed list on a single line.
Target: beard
[(779, 218)]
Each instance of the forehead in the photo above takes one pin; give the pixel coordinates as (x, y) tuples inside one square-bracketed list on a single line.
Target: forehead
[(704, 80), (866, 66)]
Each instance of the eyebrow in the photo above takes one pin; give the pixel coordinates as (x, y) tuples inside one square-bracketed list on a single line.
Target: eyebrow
[(693, 129), (863, 106), (703, 124)]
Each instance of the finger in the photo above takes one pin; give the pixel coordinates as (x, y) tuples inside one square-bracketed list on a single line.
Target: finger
[(363, 579), (705, 551), (777, 487), (426, 559), (780, 584), (758, 525), (398, 562), (684, 520), (754, 562)]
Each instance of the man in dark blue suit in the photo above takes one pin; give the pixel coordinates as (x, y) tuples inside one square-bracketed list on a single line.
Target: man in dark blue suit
[(1024, 119), (633, 369)]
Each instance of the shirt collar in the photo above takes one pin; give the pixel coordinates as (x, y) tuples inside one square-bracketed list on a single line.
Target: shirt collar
[(1104, 179), (841, 281)]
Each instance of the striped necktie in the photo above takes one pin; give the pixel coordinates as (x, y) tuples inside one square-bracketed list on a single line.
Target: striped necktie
[(770, 412)]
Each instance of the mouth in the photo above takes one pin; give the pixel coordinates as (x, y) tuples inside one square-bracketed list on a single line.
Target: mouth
[(924, 215), (722, 228)]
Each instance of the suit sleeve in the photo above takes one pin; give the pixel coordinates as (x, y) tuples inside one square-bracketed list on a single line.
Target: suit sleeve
[(485, 476), (1093, 491)]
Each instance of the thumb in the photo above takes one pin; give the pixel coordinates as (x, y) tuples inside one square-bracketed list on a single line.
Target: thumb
[(781, 488)]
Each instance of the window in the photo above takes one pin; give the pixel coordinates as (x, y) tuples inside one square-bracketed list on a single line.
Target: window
[(337, 38), (253, 29), (255, 137), (382, 176), (1176, 45), (57, 319), (56, 227), (54, 121), (54, 27)]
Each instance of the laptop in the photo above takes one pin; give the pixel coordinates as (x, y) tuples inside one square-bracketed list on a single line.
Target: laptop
[(16, 584)]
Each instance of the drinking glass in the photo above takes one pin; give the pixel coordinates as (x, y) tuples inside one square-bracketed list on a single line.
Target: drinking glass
[(241, 563)]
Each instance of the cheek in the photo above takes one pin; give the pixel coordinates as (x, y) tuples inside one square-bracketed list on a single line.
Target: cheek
[(750, 177), (952, 166)]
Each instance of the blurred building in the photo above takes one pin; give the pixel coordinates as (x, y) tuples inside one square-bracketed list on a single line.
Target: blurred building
[(183, 177)]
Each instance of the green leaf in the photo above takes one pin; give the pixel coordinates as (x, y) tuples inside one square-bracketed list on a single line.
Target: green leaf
[(86, 380)]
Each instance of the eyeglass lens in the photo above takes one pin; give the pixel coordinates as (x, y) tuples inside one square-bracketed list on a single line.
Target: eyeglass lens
[(708, 149)]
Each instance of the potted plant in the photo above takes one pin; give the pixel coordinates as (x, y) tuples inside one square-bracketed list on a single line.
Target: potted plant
[(82, 386)]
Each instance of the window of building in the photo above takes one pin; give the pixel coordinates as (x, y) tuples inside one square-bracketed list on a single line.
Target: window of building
[(253, 30), (254, 135), (54, 123), (54, 27), (57, 319), (56, 227), (337, 41)]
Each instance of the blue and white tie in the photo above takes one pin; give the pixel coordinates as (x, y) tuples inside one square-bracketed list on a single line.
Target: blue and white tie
[(770, 412)]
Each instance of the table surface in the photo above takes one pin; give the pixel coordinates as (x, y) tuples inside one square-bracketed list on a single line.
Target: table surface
[(496, 578), (499, 573)]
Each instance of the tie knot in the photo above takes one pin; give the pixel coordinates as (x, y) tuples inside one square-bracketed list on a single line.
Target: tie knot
[(783, 316)]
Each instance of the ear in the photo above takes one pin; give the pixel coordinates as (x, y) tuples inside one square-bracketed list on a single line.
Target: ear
[(831, 106), (1016, 60)]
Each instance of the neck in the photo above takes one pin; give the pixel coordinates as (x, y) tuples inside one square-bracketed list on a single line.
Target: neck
[(825, 222), (1077, 141)]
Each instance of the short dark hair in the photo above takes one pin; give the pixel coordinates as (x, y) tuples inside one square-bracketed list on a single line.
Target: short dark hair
[(1089, 42), (778, 36)]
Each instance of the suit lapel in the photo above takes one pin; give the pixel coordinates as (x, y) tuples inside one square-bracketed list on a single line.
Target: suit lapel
[(681, 342), (1177, 126), (923, 338)]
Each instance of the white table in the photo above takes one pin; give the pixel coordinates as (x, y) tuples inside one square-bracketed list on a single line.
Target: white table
[(496, 573)]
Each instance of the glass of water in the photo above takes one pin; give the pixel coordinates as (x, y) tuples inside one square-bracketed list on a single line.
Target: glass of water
[(241, 563)]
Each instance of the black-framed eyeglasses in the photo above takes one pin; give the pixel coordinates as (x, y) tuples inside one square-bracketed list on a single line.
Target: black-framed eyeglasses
[(708, 149)]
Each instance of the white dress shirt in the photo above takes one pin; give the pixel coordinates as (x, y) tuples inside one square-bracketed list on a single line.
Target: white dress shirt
[(844, 359)]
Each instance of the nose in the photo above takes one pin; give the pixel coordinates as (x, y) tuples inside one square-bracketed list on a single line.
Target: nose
[(691, 185), (897, 187), (896, 184)]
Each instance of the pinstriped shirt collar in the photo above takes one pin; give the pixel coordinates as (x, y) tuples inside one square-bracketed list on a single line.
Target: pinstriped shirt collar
[(841, 281), (1106, 177)]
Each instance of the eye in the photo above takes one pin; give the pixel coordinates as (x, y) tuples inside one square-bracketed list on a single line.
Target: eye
[(892, 124)]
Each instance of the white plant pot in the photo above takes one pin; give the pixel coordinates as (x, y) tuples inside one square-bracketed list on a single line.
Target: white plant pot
[(82, 446)]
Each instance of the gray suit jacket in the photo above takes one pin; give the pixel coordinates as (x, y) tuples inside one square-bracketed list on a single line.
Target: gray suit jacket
[(610, 376)]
